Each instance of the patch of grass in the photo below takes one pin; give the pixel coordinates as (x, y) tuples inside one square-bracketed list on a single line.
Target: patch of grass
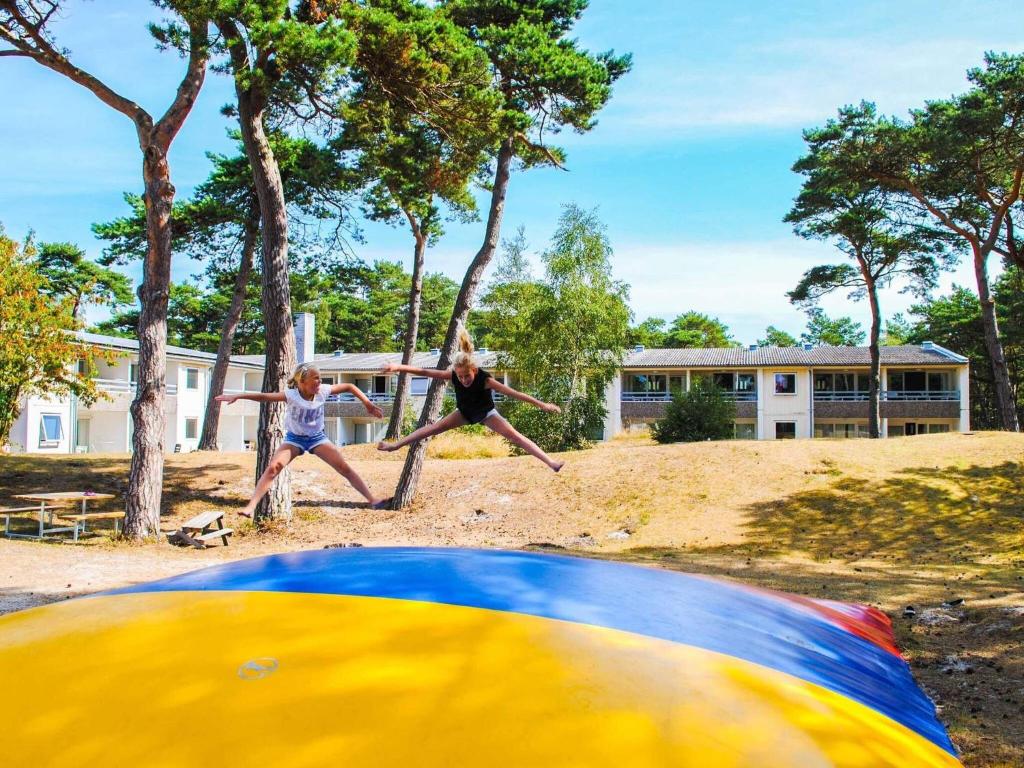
[(464, 445)]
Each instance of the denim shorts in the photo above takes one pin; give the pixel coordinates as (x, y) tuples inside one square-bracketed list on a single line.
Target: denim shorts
[(306, 443)]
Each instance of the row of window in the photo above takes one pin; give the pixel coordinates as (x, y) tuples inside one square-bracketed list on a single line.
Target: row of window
[(191, 374), (785, 383)]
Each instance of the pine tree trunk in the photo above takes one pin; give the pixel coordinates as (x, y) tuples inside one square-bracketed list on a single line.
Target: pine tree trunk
[(874, 387), (410, 476), (411, 332), (1005, 401), (275, 299), (211, 421), (145, 475)]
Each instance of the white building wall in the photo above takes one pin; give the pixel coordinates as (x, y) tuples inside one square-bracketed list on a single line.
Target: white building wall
[(773, 408), (34, 410), (964, 385), (613, 404)]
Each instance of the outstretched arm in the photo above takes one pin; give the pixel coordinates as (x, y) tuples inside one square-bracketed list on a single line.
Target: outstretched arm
[(259, 397), (372, 409), (434, 373), (506, 390)]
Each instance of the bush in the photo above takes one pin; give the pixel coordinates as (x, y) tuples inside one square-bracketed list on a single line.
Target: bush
[(702, 413), (576, 427)]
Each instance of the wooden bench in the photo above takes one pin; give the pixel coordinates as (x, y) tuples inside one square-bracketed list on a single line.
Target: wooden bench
[(80, 520), (9, 512), (199, 531)]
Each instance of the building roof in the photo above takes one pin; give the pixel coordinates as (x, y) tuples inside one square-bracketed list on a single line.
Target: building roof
[(374, 361), (639, 358), (119, 342), (817, 357)]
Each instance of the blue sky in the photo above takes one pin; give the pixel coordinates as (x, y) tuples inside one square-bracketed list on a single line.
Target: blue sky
[(689, 166)]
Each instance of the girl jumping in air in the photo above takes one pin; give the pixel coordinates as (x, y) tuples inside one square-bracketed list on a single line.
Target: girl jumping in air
[(304, 430), (474, 402)]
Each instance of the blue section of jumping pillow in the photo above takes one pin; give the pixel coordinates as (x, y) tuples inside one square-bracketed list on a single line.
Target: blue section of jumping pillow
[(705, 613)]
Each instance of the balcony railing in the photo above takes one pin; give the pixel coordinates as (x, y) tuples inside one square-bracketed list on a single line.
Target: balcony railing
[(890, 395), (122, 385), (664, 397)]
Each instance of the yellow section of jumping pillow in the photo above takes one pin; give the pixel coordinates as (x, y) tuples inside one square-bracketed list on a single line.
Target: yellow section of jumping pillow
[(287, 679)]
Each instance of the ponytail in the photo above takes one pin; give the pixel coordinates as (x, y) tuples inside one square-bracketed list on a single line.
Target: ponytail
[(463, 358), (300, 374)]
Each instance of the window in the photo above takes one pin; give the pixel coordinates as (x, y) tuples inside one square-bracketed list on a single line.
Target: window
[(327, 380), (937, 382), (380, 385), (419, 385), (914, 381), (863, 382), (646, 383), (83, 367), (676, 383), (823, 382), (785, 430), (895, 382), (191, 378), (934, 429), (50, 429), (191, 429), (785, 383), (133, 373), (824, 430), (745, 382), (745, 430), (723, 381), (896, 430)]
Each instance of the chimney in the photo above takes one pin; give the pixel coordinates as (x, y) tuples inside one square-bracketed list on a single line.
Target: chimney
[(435, 351), (482, 350), (928, 346), (808, 347), (305, 336), (638, 348), (339, 352), (753, 347)]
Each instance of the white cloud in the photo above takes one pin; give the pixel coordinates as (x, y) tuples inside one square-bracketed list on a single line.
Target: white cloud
[(743, 283), (786, 83)]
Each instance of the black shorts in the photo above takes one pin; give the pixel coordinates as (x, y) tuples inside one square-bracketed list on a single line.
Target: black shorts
[(479, 417)]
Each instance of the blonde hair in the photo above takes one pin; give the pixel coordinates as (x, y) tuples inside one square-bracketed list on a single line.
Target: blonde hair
[(463, 358), (302, 372)]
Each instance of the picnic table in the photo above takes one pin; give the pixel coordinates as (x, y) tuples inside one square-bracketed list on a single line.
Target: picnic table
[(199, 531), (50, 502)]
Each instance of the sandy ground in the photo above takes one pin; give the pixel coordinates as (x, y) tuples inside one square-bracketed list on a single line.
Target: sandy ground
[(918, 521)]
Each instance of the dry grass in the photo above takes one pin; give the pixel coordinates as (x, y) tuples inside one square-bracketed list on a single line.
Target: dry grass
[(911, 521)]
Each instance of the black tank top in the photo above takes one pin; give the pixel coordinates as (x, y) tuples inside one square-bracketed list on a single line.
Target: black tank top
[(475, 401)]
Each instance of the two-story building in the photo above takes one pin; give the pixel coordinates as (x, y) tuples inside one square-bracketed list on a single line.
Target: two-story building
[(792, 392), (795, 392)]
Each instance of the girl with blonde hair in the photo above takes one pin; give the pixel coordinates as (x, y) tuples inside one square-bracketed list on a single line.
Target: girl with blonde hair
[(304, 430), (474, 402)]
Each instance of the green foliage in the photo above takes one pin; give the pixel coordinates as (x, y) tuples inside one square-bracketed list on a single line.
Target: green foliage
[(38, 354), (67, 273), (563, 335), (773, 337), (650, 333), (357, 307), (693, 329), (546, 80), (954, 321), (419, 121), (701, 413), (823, 330)]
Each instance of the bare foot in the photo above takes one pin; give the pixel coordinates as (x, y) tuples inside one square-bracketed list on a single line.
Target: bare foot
[(387, 447), (557, 466), (382, 504)]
